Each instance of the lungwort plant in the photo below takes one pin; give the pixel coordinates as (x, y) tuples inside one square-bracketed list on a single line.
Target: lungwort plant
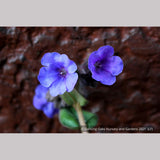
[(58, 91)]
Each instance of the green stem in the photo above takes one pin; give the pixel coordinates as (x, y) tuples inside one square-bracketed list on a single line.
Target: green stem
[(80, 118), (78, 109), (72, 97)]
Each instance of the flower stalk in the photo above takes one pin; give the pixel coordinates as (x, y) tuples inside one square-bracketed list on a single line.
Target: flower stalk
[(80, 118)]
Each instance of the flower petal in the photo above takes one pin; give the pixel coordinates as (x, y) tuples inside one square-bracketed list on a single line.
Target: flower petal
[(71, 81), (49, 110), (47, 76), (62, 58), (72, 67), (109, 80), (48, 58), (92, 60), (115, 65), (58, 87), (104, 77), (105, 51), (39, 102), (41, 91)]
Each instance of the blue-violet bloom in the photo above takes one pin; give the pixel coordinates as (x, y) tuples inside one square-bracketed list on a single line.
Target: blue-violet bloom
[(40, 102), (104, 66), (58, 73)]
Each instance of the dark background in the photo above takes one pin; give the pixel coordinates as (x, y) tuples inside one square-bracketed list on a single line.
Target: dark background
[(132, 102)]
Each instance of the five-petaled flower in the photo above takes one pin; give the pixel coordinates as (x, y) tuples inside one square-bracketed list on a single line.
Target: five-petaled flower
[(58, 73), (104, 66), (40, 102)]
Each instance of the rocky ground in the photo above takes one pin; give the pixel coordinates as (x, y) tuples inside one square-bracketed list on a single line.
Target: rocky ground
[(132, 102)]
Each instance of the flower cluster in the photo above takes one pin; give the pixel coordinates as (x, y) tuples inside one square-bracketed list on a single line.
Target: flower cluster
[(104, 66), (40, 102), (58, 73)]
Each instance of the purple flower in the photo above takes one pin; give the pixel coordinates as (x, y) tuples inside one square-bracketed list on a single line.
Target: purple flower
[(40, 102), (58, 73), (104, 66)]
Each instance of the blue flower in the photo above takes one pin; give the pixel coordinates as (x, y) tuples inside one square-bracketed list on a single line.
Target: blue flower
[(104, 66), (58, 73), (40, 102)]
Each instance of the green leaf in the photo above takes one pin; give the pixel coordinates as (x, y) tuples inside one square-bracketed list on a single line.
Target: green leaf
[(68, 119), (91, 119), (67, 98), (73, 97)]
